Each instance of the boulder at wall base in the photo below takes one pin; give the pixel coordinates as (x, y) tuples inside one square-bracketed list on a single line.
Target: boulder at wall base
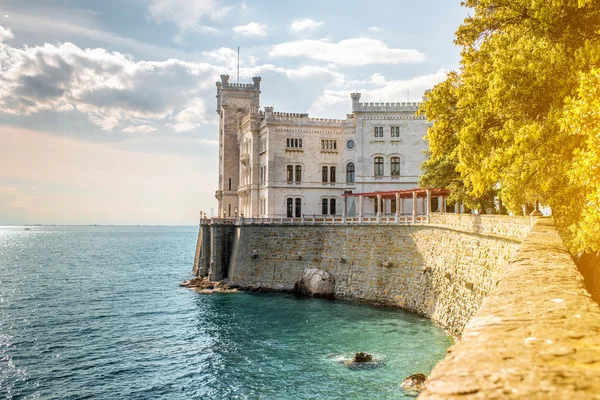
[(414, 384), (317, 283)]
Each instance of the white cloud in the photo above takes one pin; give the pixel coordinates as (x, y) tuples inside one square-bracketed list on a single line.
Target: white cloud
[(244, 6), (5, 34), (252, 29), (111, 89), (188, 14), (375, 29), (388, 91), (192, 117), (140, 129), (304, 25), (228, 58), (353, 52)]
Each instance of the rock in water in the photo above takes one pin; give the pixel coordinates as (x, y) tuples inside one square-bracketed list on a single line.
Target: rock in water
[(317, 283), (362, 357), (414, 384)]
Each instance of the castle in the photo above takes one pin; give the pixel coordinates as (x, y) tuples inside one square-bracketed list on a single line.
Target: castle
[(274, 164)]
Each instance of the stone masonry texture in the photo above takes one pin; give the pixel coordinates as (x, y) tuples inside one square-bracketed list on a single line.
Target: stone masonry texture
[(437, 272), (536, 335)]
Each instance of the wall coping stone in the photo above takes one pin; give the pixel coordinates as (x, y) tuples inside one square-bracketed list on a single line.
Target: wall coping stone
[(536, 335)]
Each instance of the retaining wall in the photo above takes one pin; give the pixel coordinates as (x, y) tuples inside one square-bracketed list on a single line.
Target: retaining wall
[(438, 272), (536, 335)]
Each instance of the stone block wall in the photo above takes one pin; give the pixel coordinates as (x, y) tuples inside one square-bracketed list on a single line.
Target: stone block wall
[(536, 335), (437, 272), (502, 225)]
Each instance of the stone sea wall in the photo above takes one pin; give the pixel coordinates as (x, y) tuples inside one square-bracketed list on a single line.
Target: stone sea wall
[(438, 272), (536, 335)]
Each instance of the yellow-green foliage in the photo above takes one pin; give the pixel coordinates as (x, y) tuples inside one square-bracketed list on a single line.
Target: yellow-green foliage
[(521, 118)]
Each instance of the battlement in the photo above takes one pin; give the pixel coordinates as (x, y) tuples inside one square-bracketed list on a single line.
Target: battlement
[(385, 107), (303, 119), (225, 85), (290, 115)]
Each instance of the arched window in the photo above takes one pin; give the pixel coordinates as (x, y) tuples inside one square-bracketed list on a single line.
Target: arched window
[(298, 173), (378, 166), (395, 166), (332, 174), (298, 207), (324, 204), (332, 206), (324, 174), (350, 173)]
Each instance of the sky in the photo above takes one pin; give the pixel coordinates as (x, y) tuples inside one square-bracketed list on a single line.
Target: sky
[(107, 108)]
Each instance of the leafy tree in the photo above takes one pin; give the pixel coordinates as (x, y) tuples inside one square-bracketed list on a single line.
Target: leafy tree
[(521, 117)]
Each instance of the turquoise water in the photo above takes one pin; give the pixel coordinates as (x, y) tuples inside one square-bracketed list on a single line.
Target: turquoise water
[(96, 312)]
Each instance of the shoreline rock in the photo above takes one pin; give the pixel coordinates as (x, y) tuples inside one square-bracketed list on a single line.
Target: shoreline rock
[(204, 286), (316, 283), (414, 384)]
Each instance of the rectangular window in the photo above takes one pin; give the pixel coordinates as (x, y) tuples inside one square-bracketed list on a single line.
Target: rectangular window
[(350, 173), (332, 174), (298, 207), (290, 208), (324, 206), (290, 173), (395, 132), (395, 166), (328, 144), (293, 143), (324, 174), (332, 206), (378, 166), (298, 173), (378, 132)]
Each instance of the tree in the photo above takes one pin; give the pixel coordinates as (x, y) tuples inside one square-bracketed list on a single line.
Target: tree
[(521, 117)]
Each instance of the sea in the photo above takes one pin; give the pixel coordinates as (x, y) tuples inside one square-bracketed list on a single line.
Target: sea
[(96, 312)]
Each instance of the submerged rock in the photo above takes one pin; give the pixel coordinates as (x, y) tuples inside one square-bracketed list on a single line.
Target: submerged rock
[(362, 357), (414, 384), (363, 360), (316, 283)]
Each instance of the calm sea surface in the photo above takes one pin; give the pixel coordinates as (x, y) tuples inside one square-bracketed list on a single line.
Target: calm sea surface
[(96, 312)]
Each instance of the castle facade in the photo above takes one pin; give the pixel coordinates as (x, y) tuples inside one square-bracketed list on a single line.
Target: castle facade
[(274, 164)]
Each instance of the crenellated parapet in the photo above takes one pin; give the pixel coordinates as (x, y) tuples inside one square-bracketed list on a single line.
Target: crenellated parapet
[(224, 84), (386, 107)]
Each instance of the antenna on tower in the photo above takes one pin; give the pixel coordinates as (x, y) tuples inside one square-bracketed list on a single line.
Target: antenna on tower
[(238, 71)]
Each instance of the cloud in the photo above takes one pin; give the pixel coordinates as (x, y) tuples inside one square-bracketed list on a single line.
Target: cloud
[(192, 117), (375, 29), (350, 52), (186, 14), (387, 91), (251, 29), (140, 129), (5, 34), (228, 58), (304, 25), (110, 88)]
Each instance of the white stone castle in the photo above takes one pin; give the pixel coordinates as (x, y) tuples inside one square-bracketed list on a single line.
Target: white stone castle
[(274, 164)]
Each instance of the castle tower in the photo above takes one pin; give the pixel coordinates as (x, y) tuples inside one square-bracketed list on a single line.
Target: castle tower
[(232, 98)]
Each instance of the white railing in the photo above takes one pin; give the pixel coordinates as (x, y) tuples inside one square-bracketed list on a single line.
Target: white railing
[(321, 220)]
